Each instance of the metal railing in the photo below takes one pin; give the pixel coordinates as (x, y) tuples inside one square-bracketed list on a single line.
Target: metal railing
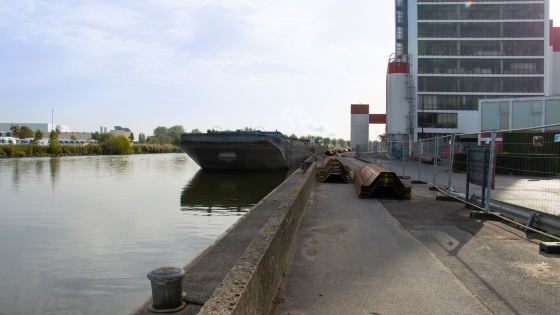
[(523, 171)]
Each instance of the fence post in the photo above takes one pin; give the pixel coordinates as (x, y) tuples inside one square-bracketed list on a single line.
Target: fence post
[(435, 161), (420, 158), (403, 155), (451, 151), (381, 154), (390, 151), (490, 172)]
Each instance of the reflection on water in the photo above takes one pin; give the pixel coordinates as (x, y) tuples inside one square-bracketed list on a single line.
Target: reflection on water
[(54, 164), (79, 234), (214, 192)]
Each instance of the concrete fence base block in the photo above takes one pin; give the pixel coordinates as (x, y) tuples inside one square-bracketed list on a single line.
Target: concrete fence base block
[(550, 247), (418, 182), (250, 286), (446, 198), (483, 216), (433, 188)]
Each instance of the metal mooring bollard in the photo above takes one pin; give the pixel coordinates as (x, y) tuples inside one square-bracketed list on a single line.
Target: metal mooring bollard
[(167, 293)]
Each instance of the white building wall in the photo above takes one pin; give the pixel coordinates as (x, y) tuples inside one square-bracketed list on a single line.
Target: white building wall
[(398, 106), (555, 82), (34, 126), (359, 129)]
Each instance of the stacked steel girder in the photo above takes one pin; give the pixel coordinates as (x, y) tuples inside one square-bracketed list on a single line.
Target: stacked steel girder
[(332, 168), (373, 176)]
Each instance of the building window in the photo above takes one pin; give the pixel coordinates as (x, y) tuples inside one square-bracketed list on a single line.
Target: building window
[(489, 114), (481, 48), (552, 116), (399, 17), (480, 66), (536, 113), (521, 114), (399, 3), (481, 30), (481, 12), (400, 49), (480, 84), (400, 32), (504, 115), (437, 120)]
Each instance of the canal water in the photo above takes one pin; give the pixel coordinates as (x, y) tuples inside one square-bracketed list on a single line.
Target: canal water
[(79, 234)]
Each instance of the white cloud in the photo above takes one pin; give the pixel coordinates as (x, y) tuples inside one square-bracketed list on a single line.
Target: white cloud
[(248, 54), (301, 122)]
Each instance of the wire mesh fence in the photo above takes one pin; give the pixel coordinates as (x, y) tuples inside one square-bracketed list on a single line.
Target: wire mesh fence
[(521, 174)]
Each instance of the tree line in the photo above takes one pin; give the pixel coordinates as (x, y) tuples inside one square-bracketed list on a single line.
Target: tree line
[(25, 132), (334, 142)]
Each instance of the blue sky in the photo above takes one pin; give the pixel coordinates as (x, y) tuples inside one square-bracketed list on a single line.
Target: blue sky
[(289, 65)]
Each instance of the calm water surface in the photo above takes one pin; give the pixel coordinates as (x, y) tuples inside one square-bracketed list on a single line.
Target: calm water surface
[(79, 234)]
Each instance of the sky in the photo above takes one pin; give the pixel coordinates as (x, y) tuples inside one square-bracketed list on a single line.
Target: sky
[(286, 65)]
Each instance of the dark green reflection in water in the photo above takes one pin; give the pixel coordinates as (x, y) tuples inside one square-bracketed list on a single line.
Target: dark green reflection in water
[(218, 192)]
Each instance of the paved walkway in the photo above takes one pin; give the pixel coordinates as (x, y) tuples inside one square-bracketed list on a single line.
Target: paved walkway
[(381, 256)]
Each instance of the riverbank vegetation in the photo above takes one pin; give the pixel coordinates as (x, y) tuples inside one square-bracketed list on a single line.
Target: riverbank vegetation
[(114, 146)]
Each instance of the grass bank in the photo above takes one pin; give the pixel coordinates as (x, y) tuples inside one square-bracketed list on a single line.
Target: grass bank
[(91, 149)]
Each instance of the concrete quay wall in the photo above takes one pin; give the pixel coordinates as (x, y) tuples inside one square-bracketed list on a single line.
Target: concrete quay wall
[(251, 284)]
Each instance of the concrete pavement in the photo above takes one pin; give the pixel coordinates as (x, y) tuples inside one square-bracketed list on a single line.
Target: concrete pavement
[(382, 256)]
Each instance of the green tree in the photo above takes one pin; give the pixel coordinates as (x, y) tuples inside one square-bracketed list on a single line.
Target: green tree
[(165, 139), (14, 130), (131, 136), (383, 136), (293, 135), (195, 130), (116, 145), (176, 130), (348, 143), (160, 131), (103, 137), (149, 140), (72, 137), (340, 142), (38, 134), (141, 138), (327, 140), (25, 132), (177, 140), (54, 146), (248, 129)]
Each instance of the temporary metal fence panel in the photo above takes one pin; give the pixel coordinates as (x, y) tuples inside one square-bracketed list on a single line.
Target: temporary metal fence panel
[(524, 169)]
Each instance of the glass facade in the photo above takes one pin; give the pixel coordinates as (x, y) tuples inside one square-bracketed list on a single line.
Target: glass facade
[(401, 21), (480, 48), (480, 66), (453, 102), (531, 11), (476, 1), (472, 50), (481, 84), (481, 30), (437, 120)]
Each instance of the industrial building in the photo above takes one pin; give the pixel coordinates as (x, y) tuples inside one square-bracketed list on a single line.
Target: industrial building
[(451, 54), (44, 127), (65, 132)]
